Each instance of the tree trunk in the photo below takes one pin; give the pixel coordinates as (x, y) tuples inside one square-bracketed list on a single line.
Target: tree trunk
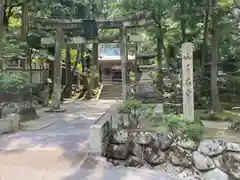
[(52, 78), (30, 67), (204, 53), (183, 20), (68, 92), (205, 38), (124, 58), (29, 53), (158, 20), (95, 64), (24, 20), (1, 31), (56, 97), (214, 64), (75, 69), (95, 54), (136, 73), (82, 58)]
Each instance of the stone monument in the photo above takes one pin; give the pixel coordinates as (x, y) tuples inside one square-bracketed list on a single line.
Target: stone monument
[(187, 81)]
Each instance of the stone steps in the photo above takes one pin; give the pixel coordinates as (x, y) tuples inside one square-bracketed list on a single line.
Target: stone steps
[(111, 92)]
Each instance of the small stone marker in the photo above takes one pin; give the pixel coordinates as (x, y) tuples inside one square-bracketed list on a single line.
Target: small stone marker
[(158, 111), (187, 81), (10, 124), (15, 118)]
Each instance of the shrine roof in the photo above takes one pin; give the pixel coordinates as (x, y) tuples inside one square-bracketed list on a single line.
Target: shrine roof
[(112, 53)]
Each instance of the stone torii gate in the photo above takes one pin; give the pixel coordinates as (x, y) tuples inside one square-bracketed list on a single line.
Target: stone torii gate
[(61, 25)]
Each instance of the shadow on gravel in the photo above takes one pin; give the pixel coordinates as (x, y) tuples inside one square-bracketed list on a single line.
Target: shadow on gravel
[(63, 147), (68, 135)]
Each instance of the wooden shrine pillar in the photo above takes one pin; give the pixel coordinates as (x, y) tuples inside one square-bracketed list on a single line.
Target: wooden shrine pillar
[(24, 20), (136, 64), (95, 55), (82, 60), (56, 96), (124, 60), (187, 81)]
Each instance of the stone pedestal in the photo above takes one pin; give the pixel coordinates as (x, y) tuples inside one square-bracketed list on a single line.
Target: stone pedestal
[(10, 124), (158, 111), (45, 96), (99, 137)]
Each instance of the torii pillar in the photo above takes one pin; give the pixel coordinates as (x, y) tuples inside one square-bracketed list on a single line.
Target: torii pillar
[(124, 61), (57, 79)]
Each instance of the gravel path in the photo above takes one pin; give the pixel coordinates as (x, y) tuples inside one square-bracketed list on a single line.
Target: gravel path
[(58, 150)]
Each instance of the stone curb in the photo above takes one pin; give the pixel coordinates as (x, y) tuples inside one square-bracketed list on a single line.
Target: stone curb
[(27, 127)]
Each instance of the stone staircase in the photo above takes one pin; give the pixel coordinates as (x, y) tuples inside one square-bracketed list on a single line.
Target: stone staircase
[(111, 92)]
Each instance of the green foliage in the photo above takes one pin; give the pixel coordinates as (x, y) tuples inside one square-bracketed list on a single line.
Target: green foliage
[(12, 47), (64, 9), (14, 22), (193, 130), (174, 123), (12, 81), (132, 77), (225, 4), (148, 111), (133, 109), (128, 106), (222, 116), (34, 40), (187, 129)]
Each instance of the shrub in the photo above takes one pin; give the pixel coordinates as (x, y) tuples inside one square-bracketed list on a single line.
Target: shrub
[(131, 108), (174, 123), (222, 116), (12, 81), (187, 129), (193, 130)]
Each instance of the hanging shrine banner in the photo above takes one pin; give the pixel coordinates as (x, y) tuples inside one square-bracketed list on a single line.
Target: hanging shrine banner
[(90, 29)]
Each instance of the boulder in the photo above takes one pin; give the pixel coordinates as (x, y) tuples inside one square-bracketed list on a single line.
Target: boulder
[(169, 168), (117, 151), (191, 174), (144, 138), (231, 163), (161, 141), (215, 174), (120, 136), (218, 161), (202, 162), (180, 157), (93, 161), (234, 147), (134, 161), (188, 144), (136, 149), (153, 158), (235, 126), (212, 147)]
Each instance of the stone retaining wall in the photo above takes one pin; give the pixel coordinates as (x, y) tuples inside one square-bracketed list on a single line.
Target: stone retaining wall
[(209, 159), (100, 131)]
